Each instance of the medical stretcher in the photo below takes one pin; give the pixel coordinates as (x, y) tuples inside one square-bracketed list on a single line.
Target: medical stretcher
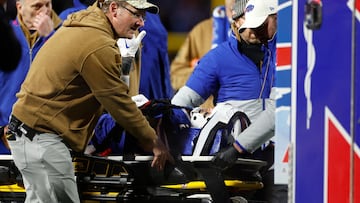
[(119, 179), (129, 177)]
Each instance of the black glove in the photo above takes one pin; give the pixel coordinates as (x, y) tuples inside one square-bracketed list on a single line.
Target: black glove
[(225, 158)]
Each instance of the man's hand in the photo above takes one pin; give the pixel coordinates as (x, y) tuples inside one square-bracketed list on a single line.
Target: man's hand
[(226, 157), (129, 47), (43, 24), (161, 155)]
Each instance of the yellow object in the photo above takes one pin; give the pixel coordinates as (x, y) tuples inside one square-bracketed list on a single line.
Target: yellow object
[(101, 194), (11, 188), (242, 185)]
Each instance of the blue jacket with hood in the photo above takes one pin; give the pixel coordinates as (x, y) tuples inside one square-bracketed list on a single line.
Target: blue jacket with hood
[(11, 81)]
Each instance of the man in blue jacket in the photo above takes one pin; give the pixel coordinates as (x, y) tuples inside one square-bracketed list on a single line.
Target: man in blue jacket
[(35, 23), (240, 73)]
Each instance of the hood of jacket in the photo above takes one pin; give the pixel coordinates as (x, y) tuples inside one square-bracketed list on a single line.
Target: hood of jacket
[(92, 17)]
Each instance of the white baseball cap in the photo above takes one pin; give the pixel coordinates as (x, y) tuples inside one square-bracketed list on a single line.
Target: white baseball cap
[(256, 12)]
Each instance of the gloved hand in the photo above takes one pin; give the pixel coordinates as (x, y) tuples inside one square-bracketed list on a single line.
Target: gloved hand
[(129, 47), (225, 158)]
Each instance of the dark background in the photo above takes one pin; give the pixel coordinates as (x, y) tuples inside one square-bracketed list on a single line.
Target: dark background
[(176, 15)]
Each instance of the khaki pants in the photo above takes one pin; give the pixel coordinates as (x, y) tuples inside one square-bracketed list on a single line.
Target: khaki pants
[(46, 167)]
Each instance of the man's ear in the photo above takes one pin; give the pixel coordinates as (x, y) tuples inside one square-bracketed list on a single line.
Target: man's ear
[(113, 9), (18, 6)]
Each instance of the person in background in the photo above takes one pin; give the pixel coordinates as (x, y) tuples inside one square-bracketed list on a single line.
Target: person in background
[(206, 35), (34, 25), (9, 56), (66, 90)]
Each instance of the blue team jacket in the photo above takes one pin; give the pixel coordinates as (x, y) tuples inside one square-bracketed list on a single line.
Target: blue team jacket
[(230, 75), (10, 82)]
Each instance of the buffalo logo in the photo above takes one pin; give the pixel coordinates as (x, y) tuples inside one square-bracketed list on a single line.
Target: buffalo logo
[(249, 8)]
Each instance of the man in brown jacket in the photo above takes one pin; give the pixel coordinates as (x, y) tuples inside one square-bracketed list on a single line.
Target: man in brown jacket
[(75, 76)]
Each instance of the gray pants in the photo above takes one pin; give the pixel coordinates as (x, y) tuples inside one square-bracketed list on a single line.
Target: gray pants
[(46, 167)]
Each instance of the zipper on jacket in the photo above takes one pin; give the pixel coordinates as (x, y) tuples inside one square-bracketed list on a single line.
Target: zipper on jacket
[(31, 49), (266, 74), (30, 53)]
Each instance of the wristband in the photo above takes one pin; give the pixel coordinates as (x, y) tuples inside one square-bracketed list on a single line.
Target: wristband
[(126, 65)]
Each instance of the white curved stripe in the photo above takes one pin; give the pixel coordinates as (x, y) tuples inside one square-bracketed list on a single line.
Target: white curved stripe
[(311, 55), (284, 5)]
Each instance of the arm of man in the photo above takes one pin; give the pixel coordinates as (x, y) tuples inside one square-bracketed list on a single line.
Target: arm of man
[(252, 137), (258, 132), (128, 49), (261, 130), (187, 97), (201, 85), (112, 93)]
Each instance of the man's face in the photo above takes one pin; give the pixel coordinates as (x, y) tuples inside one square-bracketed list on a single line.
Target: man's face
[(268, 29), (126, 19), (29, 9), (248, 34)]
